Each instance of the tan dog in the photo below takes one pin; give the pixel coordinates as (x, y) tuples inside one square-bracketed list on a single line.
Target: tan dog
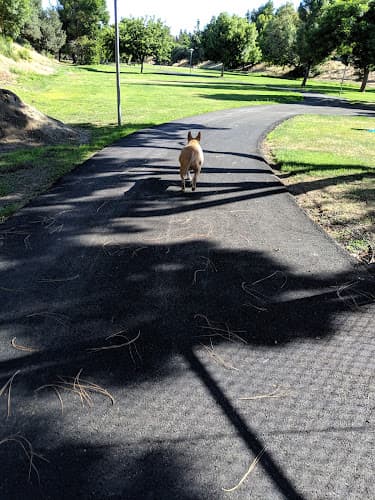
[(191, 160)]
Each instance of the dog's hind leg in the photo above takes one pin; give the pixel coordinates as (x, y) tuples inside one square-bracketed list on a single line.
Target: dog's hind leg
[(182, 181), (194, 181)]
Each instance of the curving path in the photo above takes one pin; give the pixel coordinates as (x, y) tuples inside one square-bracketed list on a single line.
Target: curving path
[(224, 323)]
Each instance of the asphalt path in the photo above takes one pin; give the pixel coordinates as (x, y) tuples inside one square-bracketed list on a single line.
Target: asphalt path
[(224, 324)]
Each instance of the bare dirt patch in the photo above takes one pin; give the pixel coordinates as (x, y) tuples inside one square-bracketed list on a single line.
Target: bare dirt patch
[(350, 220), (345, 210), (28, 133)]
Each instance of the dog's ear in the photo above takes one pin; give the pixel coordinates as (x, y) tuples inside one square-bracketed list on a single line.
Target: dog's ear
[(190, 137), (198, 138)]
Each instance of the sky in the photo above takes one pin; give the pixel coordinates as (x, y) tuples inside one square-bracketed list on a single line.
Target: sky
[(183, 14)]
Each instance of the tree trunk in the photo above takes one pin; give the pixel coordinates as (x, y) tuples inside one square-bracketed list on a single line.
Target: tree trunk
[(142, 61), (307, 71), (222, 69), (365, 78)]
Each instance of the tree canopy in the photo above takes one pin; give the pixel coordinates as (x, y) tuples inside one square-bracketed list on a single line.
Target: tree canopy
[(262, 15), (13, 16), (231, 40), (140, 38), (278, 41), (82, 17), (319, 29), (310, 47), (363, 35), (43, 29)]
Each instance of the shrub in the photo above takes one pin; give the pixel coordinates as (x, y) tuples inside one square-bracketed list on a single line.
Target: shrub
[(85, 51), (7, 48), (24, 54)]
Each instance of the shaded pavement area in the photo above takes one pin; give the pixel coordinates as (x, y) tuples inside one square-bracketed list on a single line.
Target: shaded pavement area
[(224, 324)]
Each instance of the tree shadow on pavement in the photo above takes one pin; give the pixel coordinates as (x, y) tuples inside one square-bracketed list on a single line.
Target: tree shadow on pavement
[(136, 294)]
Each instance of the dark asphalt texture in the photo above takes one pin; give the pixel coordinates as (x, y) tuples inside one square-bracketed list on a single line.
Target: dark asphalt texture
[(230, 292)]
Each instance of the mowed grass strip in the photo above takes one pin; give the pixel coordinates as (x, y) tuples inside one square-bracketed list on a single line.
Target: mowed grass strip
[(85, 97), (328, 162)]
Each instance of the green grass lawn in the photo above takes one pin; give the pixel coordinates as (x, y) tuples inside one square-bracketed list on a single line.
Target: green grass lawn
[(329, 163), (85, 96)]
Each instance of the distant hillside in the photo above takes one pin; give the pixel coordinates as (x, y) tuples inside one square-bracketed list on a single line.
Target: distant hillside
[(15, 58)]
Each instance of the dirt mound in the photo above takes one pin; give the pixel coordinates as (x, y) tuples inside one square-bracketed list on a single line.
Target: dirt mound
[(22, 125)]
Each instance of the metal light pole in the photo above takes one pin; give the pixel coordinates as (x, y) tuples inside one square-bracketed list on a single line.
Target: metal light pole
[(117, 59), (191, 57)]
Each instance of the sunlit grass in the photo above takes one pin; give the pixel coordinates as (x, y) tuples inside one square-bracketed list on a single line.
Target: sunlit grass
[(324, 145), (329, 163), (85, 96)]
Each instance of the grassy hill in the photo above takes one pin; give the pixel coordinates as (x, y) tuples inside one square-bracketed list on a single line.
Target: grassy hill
[(16, 60)]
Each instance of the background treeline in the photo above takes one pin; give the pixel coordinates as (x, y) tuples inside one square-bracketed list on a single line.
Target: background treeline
[(298, 39)]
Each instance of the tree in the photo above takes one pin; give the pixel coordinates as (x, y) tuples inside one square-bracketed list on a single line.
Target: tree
[(186, 41), (53, 37), (140, 38), (82, 18), (337, 21), (184, 38), (278, 41), (363, 36), (13, 16), (261, 16), (161, 41), (231, 40), (197, 46), (107, 43), (181, 45), (347, 28), (311, 48), (43, 30), (86, 51), (31, 29)]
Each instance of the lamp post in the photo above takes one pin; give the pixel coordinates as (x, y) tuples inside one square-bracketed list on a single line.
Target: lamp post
[(191, 57), (117, 59)]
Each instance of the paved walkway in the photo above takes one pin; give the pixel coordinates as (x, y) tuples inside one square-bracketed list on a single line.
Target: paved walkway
[(249, 332)]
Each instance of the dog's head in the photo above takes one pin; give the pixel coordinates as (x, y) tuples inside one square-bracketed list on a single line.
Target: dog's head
[(191, 138)]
